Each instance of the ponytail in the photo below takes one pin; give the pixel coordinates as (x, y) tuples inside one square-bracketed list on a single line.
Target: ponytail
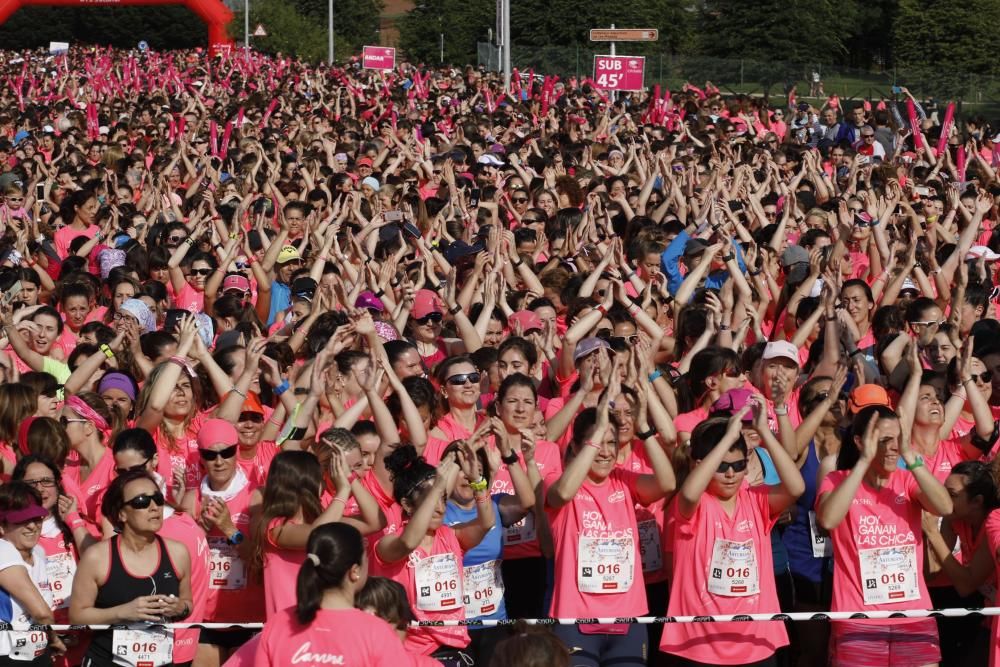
[(333, 549)]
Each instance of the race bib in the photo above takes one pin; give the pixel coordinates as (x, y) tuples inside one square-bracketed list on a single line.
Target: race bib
[(890, 574), (605, 565), (733, 572), (60, 570), (649, 546), (521, 532), (148, 647), (438, 583), (482, 588), (26, 646), (226, 569), (822, 545)]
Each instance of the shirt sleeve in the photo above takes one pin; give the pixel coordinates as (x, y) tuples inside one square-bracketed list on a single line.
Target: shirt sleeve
[(9, 556), (670, 261)]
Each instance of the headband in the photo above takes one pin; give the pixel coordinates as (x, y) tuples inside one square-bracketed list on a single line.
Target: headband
[(77, 405), (22, 435), (314, 558)]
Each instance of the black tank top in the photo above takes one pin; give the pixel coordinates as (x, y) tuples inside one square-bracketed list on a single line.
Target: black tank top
[(122, 587)]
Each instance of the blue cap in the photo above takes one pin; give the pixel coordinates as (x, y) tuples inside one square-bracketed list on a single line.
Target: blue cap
[(20, 136)]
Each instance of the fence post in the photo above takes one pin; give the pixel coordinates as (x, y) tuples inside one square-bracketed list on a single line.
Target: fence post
[(577, 62), (741, 72)]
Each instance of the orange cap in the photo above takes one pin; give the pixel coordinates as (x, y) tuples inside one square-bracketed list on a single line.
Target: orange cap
[(252, 404), (865, 396)]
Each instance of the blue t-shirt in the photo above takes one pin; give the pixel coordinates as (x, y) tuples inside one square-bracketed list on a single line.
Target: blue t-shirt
[(796, 536), (281, 298), (491, 548)]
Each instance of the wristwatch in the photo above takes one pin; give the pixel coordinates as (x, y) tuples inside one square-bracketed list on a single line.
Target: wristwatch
[(511, 459), (235, 539)]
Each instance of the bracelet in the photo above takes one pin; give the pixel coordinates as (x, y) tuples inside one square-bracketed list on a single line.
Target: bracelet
[(190, 241), (755, 273), (729, 257), (646, 435), (518, 263), (454, 309), (380, 293), (591, 443), (723, 327), (918, 462), (251, 260), (233, 236), (337, 499), (237, 391), (483, 499), (108, 352), (480, 485), (602, 309), (781, 410), (655, 375), (511, 459), (630, 275), (282, 388)]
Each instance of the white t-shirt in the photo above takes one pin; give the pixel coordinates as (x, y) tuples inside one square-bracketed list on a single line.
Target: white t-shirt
[(10, 610)]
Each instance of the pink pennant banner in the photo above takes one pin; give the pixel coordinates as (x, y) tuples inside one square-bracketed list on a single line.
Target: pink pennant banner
[(949, 120)]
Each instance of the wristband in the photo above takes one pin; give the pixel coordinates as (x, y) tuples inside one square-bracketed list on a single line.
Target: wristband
[(602, 309), (282, 388), (251, 260), (296, 434), (108, 352), (233, 236), (380, 293), (483, 499), (630, 275), (781, 410), (518, 263), (655, 375), (646, 435), (918, 462), (480, 485), (728, 258), (190, 241), (454, 309)]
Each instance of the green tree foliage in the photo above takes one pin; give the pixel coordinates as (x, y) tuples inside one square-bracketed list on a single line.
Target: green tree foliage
[(945, 47), (463, 22), (301, 28), (165, 27)]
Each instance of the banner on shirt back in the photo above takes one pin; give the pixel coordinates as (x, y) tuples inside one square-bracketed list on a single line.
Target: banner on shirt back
[(379, 57), (619, 72)]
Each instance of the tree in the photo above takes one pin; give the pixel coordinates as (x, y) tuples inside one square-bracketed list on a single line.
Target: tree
[(463, 22), (938, 45), (355, 22), (162, 27)]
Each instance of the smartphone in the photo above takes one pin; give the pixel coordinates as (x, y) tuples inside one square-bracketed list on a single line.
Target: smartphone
[(864, 159), (11, 294), (393, 216), (474, 197), (253, 238), (896, 90), (40, 192), (735, 205), (173, 319)]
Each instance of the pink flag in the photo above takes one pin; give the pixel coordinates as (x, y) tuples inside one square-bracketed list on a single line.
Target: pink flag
[(225, 138), (213, 138), (960, 163), (949, 119), (911, 110)]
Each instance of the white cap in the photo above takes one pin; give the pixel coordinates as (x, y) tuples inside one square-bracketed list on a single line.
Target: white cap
[(781, 349), (48, 129), (977, 251), (103, 129), (490, 159), (909, 285)]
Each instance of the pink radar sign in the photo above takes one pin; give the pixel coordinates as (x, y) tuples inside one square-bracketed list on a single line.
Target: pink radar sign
[(379, 57), (619, 72)]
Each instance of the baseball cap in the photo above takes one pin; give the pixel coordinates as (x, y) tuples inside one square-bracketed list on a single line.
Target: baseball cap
[(32, 511), (371, 182), (981, 251), (781, 349), (795, 259), (733, 401), (528, 319), (287, 254), (866, 395), (695, 247), (236, 281), (426, 302), (490, 159), (909, 286), (304, 287), (252, 404), (367, 299), (215, 431), (364, 162), (588, 345)]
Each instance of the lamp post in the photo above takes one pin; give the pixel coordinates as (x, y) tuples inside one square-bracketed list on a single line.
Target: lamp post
[(330, 31)]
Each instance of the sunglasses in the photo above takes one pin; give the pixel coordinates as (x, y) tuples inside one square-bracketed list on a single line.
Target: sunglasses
[(984, 377), (430, 317), (143, 501), (201, 272), (136, 468), (462, 378), (529, 221), (211, 454), (519, 200), (176, 239), (735, 466)]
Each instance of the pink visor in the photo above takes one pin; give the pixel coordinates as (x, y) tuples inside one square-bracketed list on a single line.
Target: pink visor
[(24, 514)]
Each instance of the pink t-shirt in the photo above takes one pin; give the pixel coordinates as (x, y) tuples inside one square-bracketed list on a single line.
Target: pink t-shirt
[(335, 637), (710, 543), (63, 238), (878, 548), (598, 567), (440, 599), (91, 489), (649, 518), (257, 467), (233, 597), (685, 422), (281, 571), (190, 299), (183, 529), (520, 539), (992, 530)]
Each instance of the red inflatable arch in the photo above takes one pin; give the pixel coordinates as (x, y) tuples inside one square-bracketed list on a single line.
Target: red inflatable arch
[(215, 14)]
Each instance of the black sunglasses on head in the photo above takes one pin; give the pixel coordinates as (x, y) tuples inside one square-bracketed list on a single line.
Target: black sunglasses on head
[(143, 501)]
